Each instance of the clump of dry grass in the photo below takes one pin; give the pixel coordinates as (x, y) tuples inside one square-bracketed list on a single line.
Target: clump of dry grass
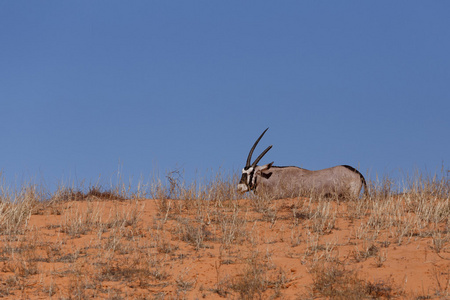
[(192, 233), (334, 281), (257, 277), (16, 208), (93, 193)]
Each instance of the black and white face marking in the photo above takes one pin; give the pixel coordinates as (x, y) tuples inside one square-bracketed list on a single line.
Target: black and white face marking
[(247, 181)]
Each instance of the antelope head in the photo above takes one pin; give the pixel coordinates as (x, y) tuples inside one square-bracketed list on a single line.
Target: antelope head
[(251, 171)]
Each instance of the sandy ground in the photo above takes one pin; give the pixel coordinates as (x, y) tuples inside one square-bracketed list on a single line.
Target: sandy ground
[(174, 249)]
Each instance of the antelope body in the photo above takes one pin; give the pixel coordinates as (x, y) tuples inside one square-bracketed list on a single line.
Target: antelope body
[(285, 182)]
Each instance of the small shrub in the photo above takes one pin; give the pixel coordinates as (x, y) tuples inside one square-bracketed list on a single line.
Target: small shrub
[(335, 282)]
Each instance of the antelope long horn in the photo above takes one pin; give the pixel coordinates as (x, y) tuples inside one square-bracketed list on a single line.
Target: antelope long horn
[(261, 156), (249, 158)]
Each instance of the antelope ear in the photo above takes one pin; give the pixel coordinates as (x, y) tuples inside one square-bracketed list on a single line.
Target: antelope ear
[(260, 169)]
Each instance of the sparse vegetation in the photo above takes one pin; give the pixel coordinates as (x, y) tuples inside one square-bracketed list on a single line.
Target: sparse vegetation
[(203, 240)]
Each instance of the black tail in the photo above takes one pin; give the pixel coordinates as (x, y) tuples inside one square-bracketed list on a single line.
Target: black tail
[(366, 192)]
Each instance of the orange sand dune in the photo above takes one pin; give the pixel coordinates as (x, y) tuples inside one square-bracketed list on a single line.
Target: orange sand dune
[(167, 249)]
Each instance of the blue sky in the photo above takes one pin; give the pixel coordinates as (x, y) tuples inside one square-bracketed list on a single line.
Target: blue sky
[(90, 87)]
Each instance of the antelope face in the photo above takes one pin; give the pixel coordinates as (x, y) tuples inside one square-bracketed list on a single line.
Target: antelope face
[(249, 177), (245, 184)]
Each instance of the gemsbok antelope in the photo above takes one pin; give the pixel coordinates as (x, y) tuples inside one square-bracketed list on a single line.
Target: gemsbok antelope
[(285, 182)]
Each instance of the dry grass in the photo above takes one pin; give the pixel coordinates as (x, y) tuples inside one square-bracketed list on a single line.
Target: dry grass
[(204, 241)]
